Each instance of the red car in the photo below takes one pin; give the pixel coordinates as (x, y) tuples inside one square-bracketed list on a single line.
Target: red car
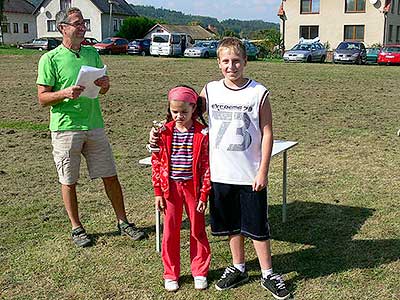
[(89, 41), (113, 45), (390, 54)]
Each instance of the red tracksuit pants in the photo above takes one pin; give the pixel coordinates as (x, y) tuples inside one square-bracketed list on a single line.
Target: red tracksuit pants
[(182, 194)]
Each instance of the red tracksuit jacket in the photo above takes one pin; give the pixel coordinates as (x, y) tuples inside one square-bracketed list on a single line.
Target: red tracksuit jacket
[(160, 162)]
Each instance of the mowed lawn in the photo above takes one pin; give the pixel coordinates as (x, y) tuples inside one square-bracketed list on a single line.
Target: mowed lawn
[(342, 237)]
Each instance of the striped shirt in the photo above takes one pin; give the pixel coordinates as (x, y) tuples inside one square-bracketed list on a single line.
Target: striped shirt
[(182, 155)]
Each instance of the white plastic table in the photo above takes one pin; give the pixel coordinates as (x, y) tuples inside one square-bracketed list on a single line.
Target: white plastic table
[(279, 146)]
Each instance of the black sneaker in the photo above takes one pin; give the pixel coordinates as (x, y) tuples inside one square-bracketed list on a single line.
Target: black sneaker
[(130, 230), (232, 277), (275, 284), (80, 237)]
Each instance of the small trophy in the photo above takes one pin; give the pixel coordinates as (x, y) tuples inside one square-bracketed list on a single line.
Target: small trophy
[(154, 147)]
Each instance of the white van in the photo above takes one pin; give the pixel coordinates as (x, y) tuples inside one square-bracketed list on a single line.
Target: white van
[(170, 44)]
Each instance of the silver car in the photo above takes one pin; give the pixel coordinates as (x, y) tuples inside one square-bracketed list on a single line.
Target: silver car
[(350, 52), (202, 49), (306, 52)]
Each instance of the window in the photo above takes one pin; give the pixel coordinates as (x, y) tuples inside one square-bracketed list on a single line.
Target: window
[(115, 25), (65, 4), (15, 27), (161, 38), (398, 7), (121, 42), (51, 26), (87, 24), (121, 21), (309, 6), (26, 28), (355, 6), (390, 33), (5, 27), (392, 6), (398, 34), (309, 32), (175, 39), (354, 32)]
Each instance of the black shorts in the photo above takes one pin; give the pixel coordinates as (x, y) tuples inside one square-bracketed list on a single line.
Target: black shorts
[(237, 209)]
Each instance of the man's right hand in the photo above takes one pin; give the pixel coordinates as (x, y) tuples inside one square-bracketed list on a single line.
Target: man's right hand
[(73, 92)]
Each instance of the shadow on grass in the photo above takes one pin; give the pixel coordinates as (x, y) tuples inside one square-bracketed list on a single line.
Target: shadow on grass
[(327, 232), (96, 235)]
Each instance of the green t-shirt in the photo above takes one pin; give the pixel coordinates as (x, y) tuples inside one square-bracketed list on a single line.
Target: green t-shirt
[(59, 68)]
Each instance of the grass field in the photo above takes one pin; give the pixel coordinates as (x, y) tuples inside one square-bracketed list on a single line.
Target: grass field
[(342, 238)]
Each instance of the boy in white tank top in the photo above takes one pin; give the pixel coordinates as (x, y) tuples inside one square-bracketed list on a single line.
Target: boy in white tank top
[(241, 140)]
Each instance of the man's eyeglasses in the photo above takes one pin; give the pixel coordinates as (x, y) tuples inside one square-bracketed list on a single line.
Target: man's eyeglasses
[(78, 24)]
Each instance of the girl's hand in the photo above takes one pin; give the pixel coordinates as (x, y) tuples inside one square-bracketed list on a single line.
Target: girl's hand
[(160, 203), (201, 207), (154, 136), (260, 182)]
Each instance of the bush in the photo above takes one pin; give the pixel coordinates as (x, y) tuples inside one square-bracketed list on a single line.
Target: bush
[(267, 49)]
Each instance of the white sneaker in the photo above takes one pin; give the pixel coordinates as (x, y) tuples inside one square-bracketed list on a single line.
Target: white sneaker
[(171, 285), (200, 282)]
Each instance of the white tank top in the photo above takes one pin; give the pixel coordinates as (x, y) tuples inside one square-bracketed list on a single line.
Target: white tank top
[(235, 135)]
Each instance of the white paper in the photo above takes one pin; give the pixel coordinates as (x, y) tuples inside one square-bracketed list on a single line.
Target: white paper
[(86, 77)]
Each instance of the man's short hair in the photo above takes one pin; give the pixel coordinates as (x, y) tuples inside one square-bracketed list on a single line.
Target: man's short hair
[(63, 15), (234, 44)]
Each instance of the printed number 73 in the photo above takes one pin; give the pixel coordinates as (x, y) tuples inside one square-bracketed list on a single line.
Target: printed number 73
[(241, 131)]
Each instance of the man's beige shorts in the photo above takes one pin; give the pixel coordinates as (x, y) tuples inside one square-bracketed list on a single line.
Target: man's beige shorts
[(93, 144)]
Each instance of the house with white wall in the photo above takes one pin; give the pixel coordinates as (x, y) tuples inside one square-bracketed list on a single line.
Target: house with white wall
[(19, 23), (195, 31), (369, 21), (103, 17)]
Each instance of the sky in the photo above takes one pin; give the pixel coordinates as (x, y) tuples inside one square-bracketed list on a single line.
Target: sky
[(265, 10)]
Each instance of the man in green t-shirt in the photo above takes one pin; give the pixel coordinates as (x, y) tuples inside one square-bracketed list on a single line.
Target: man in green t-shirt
[(76, 123)]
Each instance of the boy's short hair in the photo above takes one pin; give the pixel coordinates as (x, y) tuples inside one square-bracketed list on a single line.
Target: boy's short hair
[(63, 15), (234, 44)]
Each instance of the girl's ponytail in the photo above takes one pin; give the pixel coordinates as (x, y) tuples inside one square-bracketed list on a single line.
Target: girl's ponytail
[(199, 110)]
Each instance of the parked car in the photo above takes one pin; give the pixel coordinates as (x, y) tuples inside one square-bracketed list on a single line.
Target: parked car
[(389, 54), (112, 45), (350, 52), (41, 44), (170, 44), (372, 55), (306, 51), (251, 50), (204, 49), (139, 46), (88, 41)]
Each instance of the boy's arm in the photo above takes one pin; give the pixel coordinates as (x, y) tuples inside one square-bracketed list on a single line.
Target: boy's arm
[(204, 100), (205, 171), (267, 141)]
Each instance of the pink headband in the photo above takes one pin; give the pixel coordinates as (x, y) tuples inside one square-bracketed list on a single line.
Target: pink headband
[(181, 93)]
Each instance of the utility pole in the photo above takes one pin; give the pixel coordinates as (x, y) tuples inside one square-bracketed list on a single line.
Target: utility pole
[(1, 21), (110, 2)]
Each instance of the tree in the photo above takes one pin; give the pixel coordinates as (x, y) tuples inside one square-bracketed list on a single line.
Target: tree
[(194, 23), (230, 33), (135, 27), (268, 41)]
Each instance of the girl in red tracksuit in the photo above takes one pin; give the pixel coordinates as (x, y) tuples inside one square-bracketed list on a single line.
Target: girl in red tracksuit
[(181, 178)]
